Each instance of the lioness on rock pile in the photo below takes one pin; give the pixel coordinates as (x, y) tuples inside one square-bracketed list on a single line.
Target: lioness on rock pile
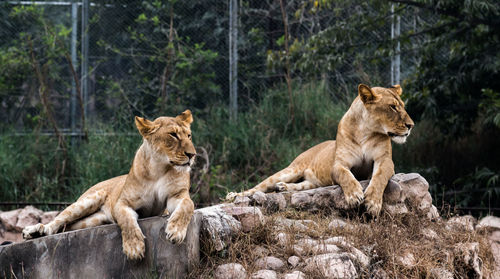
[(362, 150), (158, 183)]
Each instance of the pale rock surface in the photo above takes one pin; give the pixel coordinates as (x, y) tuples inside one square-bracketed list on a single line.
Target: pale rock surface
[(9, 219), (275, 202), (467, 253), (407, 259), (270, 262), (300, 200), (440, 273), (218, 226), (295, 275), (230, 271), (332, 266), (489, 222), (48, 216), (27, 217), (293, 261), (466, 222), (337, 223), (259, 198), (241, 201), (249, 216), (264, 274)]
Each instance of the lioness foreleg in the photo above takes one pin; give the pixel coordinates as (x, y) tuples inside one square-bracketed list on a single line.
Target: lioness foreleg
[(132, 237), (383, 170), (286, 175), (84, 206), (181, 206), (353, 192)]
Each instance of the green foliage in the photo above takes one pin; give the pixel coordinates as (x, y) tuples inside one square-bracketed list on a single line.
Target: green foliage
[(482, 185)]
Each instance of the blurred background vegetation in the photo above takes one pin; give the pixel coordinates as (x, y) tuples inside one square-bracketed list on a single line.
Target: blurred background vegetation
[(153, 58)]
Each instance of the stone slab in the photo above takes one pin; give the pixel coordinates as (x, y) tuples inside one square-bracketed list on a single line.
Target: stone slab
[(97, 253)]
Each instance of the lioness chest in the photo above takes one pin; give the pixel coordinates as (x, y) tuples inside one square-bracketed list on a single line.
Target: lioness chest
[(154, 196)]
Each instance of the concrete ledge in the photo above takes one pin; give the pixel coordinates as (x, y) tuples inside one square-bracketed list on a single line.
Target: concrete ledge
[(97, 253)]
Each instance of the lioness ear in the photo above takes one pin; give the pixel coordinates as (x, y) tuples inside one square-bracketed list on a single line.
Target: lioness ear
[(397, 88), (366, 94), (145, 126), (186, 117)]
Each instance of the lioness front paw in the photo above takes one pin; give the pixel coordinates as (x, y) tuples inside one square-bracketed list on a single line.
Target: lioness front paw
[(281, 187), (175, 232), (231, 196), (33, 231), (373, 201), (134, 246), (354, 195)]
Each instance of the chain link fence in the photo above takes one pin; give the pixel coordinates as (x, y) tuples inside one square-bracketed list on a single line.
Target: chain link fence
[(157, 57)]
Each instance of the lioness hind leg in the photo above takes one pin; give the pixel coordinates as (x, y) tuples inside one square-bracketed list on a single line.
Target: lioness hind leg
[(84, 206), (287, 175), (304, 185), (94, 220)]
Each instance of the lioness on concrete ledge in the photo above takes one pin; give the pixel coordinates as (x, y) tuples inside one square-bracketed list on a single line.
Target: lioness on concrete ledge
[(361, 150), (158, 183)]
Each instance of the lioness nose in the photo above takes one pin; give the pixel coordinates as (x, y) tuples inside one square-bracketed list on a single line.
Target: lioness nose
[(190, 155), (409, 125)]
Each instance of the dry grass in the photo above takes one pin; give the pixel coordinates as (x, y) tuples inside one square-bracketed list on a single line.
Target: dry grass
[(383, 240)]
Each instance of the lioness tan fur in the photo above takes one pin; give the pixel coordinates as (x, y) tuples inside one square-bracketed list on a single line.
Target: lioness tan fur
[(158, 183), (362, 150)]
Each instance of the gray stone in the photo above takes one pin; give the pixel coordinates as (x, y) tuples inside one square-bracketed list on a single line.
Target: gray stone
[(275, 202), (9, 219), (489, 222), (407, 260), (429, 233), (218, 226), (241, 201), (97, 253), (465, 223), (337, 224), (28, 216), (395, 209), (393, 193), (259, 198), (260, 251), (440, 273), (230, 271), (467, 253), (48, 216), (332, 266), (295, 275), (293, 261), (249, 216), (272, 263), (264, 274), (416, 190), (297, 225), (301, 200), (354, 253)]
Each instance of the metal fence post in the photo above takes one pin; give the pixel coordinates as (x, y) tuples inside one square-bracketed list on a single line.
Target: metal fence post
[(233, 59), (74, 61), (85, 56), (396, 57)]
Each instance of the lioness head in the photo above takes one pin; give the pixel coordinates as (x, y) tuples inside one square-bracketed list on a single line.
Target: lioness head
[(170, 138), (385, 106)]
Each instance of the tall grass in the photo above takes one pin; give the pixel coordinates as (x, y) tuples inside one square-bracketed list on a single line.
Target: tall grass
[(260, 142)]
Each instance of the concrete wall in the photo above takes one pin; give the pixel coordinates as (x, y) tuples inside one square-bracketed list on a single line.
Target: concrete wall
[(97, 253)]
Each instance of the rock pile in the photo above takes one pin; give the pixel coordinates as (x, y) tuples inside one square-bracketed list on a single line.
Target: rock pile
[(305, 248), (12, 222)]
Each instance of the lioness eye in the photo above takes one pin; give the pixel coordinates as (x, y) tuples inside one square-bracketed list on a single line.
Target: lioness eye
[(189, 136), (174, 135), (393, 107)]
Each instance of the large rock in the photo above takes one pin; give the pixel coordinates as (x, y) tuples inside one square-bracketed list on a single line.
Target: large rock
[(28, 216), (9, 219), (295, 275), (416, 191), (270, 262), (97, 253), (218, 226), (249, 216), (48, 216), (264, 274), (331, 266), (230, 271)]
